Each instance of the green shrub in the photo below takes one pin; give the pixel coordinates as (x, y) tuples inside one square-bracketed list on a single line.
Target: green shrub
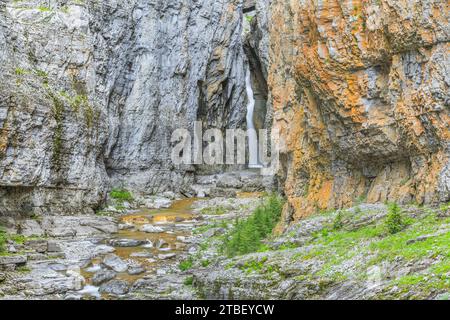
[(188, 281), (20, 71), (338, 222), (253, 265), (44, 9), (18, 238), (247, 234), (185, 265), (205, 263), (394, 219), (121, 195), (249, 18), (3, 238)]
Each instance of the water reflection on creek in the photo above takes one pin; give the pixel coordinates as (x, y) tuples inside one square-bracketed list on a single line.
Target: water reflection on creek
[(175, 221)]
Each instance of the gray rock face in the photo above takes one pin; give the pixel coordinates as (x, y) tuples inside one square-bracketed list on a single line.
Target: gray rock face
[(115, 263), (102, 276), (115, 287), (13, 260), (91, 92), (126, 242)]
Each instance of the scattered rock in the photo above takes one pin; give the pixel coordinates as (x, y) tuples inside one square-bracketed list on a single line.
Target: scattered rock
[(166, 256), (35, 256), (161, 272), (180, 245), (53, 246), (31, 228), (142, 254), (19, 260), (102, 276), (157, 203), (161, 244), (115, 287), (149, 244), (40, 246), (125, 226), (58, 267), (135, 270), (151, 229), (427, 236), (213, 232), (102, 249), (94, 268), (126, 242), (115, 263)]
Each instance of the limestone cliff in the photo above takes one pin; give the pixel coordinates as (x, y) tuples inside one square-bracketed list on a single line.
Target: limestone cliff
[(360, 93), (91, 91)]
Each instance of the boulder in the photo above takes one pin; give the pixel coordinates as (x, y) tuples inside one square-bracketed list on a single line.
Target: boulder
[(18, 260), (115, 263), (148, 228), (40, 246), (115, 287), (142, 254), (161, 244), (53, 246), (157, 203), (126, 242), (31, 228), (166, 256), (102, 276), (135, 270)]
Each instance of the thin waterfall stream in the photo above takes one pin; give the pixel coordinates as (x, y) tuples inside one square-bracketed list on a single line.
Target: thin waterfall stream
[(253, 161)]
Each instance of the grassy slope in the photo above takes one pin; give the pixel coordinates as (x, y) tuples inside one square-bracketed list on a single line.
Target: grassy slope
[(342, 250)]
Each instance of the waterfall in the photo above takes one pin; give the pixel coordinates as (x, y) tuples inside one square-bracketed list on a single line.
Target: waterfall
[(251, 131)]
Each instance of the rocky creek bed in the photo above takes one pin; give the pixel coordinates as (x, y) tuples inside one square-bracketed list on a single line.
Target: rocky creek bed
[(136, 254), (174, 253)]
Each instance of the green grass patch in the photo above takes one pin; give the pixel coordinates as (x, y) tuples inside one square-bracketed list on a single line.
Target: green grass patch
[(44, 9), (219, 210), (253, 265), (185, 265), (205, 263), (249, 18), (121, 195), (188, 281), (247, 234)]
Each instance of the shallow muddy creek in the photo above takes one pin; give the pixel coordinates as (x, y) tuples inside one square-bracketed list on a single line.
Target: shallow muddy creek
[(160, 240)]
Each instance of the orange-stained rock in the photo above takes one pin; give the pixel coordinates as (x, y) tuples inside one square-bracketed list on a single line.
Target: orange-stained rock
[(360, 95)]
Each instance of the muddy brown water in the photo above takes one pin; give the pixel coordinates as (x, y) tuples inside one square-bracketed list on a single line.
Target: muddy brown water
[(179, 213)]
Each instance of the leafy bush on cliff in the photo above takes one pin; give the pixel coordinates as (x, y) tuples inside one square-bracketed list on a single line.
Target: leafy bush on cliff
[(247, 234), (121, 195)]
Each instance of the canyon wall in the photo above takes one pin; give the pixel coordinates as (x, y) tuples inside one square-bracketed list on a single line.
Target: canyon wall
[(90, 93), (360, 94)]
